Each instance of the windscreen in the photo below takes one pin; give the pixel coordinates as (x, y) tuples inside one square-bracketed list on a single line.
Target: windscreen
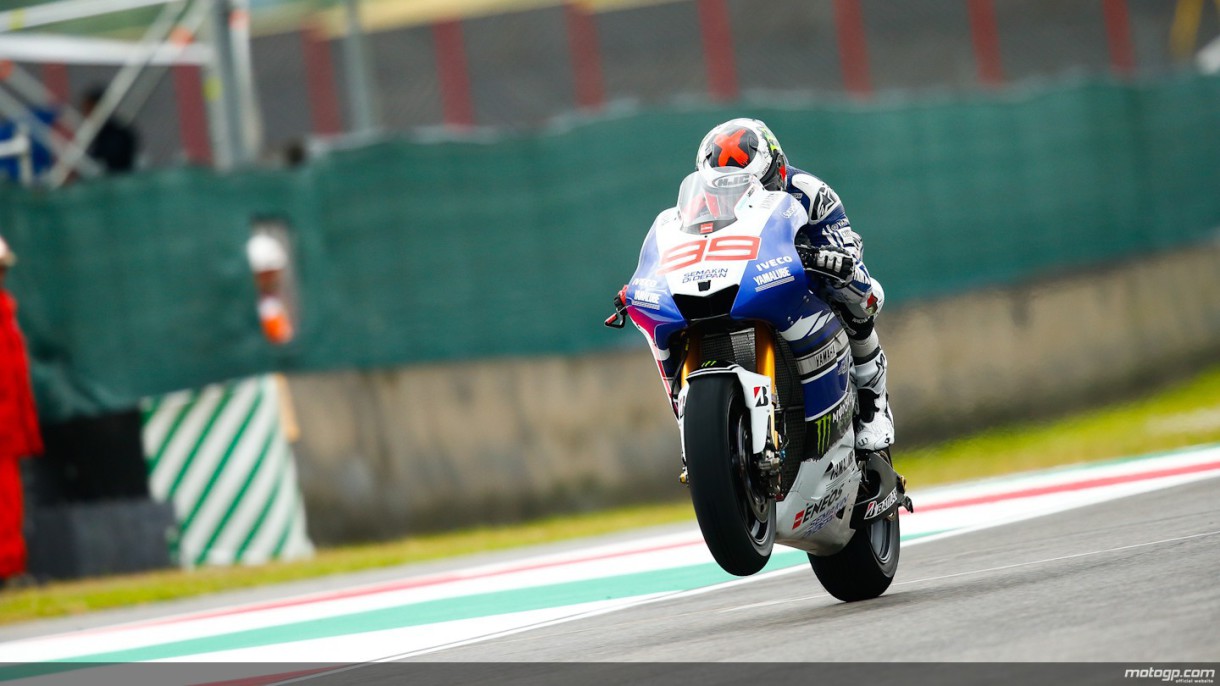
[(707, 199)]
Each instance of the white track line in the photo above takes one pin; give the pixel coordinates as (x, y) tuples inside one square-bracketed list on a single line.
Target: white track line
[(987, 570), (1073, 556)]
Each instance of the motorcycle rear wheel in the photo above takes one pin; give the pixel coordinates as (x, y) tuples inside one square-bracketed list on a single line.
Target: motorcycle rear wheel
[(735, 514), (865, 567)]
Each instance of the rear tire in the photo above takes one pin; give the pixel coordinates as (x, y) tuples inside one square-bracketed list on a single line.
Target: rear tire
[(736, 516), (865, 567)]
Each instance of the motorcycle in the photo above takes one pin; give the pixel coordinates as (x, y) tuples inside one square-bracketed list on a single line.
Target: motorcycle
[(767, 431)]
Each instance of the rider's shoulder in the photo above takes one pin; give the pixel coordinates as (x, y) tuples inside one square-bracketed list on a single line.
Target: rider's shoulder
[(801, 181), (815, 194)]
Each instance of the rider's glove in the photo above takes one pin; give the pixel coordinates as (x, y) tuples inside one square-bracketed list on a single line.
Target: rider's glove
[(835, 265)]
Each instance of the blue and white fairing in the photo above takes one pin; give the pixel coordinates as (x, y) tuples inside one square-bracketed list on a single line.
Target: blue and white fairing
[(748, 244)]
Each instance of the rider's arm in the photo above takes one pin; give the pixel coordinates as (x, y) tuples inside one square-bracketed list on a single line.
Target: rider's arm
[(828, 223), (829, 228)]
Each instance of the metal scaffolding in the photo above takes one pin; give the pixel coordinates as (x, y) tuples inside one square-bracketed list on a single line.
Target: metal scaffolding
[(213, 34)]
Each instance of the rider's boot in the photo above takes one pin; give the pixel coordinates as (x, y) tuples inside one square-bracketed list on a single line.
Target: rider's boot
[(876, 422)]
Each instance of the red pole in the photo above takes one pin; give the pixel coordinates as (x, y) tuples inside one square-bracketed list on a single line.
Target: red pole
[(1118, 34), (586, 57), (986, 37), (57, 82), (320, 82), (718, 49), (192, 114), (453, 74), (853, 47), (55, 78)]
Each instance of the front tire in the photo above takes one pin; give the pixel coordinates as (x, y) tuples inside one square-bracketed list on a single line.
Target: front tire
[(735, 514)]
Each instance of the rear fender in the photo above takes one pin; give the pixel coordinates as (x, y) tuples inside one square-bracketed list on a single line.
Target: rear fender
[(888, 497), (756, 389)]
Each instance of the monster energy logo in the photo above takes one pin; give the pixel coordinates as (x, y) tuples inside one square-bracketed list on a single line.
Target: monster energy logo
[(832, 425), (823, 426)]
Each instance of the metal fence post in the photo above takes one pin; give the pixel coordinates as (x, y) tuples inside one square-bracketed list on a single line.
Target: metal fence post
[(360, 96), (222, 90)]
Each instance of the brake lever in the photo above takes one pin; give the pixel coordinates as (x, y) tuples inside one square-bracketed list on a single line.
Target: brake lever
[(617, 320)]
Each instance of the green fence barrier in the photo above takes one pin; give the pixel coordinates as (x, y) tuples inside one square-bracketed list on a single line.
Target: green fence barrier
[(413, 251)]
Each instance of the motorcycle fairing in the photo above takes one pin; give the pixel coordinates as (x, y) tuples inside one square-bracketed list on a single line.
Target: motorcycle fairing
[(757, 254)]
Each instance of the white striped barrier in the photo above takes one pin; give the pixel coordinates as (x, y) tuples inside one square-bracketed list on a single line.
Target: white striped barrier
[(220, 456)]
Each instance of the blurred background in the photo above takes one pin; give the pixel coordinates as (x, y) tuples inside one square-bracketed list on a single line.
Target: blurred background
[(298, 271)]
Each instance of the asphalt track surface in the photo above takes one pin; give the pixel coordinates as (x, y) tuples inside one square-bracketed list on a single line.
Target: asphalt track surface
[(1122, 572), (1134, 579)]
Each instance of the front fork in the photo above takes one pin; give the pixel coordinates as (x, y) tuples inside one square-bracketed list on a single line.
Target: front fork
[(770, 461)]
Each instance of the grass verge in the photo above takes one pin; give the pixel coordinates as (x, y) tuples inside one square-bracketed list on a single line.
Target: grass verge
[(1183, 415), (1186, 414)]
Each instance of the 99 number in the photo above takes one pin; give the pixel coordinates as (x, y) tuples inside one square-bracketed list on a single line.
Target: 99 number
[(718, 249)]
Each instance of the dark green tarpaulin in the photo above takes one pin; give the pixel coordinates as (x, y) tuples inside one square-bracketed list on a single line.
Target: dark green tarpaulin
[(410, 251)]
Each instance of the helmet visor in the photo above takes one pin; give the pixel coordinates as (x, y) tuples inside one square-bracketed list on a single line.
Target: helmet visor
[(708, 199)]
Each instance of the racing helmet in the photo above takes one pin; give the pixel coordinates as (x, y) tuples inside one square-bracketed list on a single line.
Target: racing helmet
[(747, 144)]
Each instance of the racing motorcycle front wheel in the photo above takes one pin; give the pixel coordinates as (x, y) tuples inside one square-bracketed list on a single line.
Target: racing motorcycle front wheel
[(735, 513)]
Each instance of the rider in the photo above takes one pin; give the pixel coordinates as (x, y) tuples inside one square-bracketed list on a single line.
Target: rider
[(827, 246)]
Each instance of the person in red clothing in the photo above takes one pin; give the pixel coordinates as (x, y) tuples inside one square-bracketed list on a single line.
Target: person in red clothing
[(19, 435)]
